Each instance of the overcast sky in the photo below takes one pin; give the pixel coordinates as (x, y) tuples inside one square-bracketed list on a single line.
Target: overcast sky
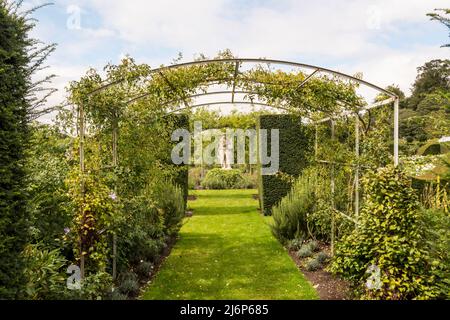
[(385, 40)]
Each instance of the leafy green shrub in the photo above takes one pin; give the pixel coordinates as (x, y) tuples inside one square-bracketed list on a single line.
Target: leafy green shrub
[(117, 295), (48, 201), (127, 275), (144, 269), (180, 172), (141, 235), (290, 215), (295, 244), (224, 179), (436, 224), (46, 279), (195, 177), (387, 236), (319, 219), (128, 283), (250, 181), (313, 245), (96, 286), (304, 252), (170, 201), (129, 286), (313, 265), (322, 257)]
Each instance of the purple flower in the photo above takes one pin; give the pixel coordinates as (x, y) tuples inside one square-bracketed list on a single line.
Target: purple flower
[(113, 196), (66, 230)]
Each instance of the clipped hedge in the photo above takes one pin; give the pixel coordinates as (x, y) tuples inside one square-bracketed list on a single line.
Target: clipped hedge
[(179, 121), (295, 149), (433, 147), (225, 179)]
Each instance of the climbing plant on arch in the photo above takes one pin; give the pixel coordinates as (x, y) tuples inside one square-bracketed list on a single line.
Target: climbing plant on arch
[(120, 136)]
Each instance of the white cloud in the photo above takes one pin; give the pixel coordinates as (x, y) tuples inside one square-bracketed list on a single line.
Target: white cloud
[(389, 66), (282, 27), (367, 36)]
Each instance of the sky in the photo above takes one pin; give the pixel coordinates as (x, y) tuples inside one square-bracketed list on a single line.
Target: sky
[(385, 40)]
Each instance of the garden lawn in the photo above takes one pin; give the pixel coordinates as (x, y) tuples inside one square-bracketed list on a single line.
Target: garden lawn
[(226, 251)]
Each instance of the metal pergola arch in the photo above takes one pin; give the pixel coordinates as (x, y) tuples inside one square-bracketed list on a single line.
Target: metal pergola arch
[(316, 69), (206, 104), (392, 98), (238, 61)]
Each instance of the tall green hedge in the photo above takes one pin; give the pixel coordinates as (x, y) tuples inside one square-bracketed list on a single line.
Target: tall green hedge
[(179, 121), (295, 147), (14, 85)]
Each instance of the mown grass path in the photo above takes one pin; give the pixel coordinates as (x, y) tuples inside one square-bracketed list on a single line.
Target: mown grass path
[(226, 251)]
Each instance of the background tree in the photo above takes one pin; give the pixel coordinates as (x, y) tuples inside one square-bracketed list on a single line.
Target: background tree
[(432, 76), (443, 19)]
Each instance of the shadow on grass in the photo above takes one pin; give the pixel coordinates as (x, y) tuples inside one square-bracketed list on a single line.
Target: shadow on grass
[(205, 210)]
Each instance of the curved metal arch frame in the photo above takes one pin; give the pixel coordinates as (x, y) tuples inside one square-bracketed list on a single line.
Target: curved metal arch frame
[(237, 61), (227, 103), (183, 99), (212, 93), (315, 69)]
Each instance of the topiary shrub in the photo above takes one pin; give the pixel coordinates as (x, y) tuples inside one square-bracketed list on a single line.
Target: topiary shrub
[(387, 237), (181, 176), (294, 148), (224, 179)]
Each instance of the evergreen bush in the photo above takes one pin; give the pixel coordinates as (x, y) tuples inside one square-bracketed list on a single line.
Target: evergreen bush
[(295, 141), (224, 179), (14, 87), (290, 215), (388, 236)]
